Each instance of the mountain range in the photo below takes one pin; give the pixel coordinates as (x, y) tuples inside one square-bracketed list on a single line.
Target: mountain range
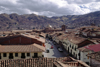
[(32, 21)]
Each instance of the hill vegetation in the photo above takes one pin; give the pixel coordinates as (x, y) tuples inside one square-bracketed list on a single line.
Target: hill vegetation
[(32, 21)]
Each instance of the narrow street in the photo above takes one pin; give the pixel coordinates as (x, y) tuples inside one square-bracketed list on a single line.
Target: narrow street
[(53, 53)]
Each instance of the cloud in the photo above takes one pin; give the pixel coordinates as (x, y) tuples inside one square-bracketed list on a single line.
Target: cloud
[(49, 7), (81, 1)]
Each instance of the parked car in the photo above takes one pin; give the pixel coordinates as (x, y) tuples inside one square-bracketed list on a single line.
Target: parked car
[(52, 47), (59, 49), (47, 50)]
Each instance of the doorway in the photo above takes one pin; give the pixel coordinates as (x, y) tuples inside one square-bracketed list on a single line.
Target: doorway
[(10, 55), (22, 55), (35, 55)]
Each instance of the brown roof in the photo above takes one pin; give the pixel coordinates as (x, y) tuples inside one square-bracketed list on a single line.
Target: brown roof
[(6, 32), (53, 34), (30, 36), (21, 31), (88, 27), (71, 63), (76, 40), (21, 48), (40, 62), (32, 62), (63, 65), (36, 37), (83, 49), (43, 34), (62, 37)]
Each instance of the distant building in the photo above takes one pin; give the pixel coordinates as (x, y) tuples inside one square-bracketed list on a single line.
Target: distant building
[(63, 27), (50, 29)]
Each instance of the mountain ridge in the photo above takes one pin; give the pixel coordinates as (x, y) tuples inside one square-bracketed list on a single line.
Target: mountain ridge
[(31, 21)]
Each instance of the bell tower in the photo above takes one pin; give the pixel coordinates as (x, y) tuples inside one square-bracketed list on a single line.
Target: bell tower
[(63, 27)]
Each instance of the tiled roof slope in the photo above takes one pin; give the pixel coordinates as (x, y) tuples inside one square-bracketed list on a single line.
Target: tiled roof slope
[(29, 36), (36, 37), (21, 48), (94, 48), (35, 62), (76, 40)]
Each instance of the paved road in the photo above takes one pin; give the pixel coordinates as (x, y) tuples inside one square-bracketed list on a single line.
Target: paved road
[(53, 52)]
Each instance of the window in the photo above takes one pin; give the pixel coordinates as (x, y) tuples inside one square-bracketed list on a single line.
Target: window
[(0, 55), (70, 46), (22, 55), (28, 54), (10, 55), (75, 48), (35, 55), (4, 54), (79, 54), (16, 54)]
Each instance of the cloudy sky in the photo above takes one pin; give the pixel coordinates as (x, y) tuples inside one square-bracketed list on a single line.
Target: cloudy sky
[(49, 7)]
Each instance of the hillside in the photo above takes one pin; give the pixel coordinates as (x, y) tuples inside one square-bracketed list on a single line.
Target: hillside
[(31, 21), (73, 21), (28, 21)]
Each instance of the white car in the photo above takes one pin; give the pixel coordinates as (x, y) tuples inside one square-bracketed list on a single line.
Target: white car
[(59, 49)]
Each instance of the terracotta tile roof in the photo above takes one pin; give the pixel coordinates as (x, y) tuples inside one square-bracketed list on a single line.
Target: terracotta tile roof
[(76, 40), (43, 34), (28, 35), (94, 48), (63, 65), (21, 30), (62, 37), (21, 48), (72, 63), (36, 37), (40, 62), (82, 63), (89, 27), (53, 34), (6, 32), (83, 49), (32, 62)]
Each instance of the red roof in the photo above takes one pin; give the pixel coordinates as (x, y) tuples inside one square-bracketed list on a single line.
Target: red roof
[(94, 48)]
